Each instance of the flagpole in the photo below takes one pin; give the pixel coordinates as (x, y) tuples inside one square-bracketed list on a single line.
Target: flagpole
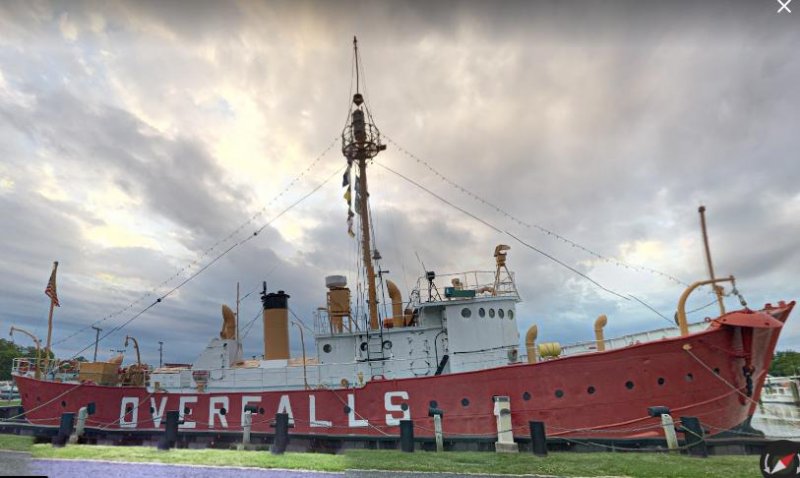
[(49, 335), (51, 288)]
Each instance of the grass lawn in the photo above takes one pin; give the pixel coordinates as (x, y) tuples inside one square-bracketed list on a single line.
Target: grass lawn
[(9, 403), (15, 442), (563, 464)]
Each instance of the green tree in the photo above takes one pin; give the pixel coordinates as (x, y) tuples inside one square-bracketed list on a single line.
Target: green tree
[(9, 351), (786, 362)]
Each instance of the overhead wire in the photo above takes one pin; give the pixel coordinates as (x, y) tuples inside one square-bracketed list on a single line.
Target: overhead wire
[(213, 261), (501, 231), (205, 252), (538, 227)]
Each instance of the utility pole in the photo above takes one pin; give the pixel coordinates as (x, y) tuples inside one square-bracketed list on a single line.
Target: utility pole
[(160, 354), (96, 341)]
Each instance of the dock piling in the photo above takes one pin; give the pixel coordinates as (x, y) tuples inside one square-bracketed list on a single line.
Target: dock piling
[(407, 436), (694, 436), (171, 432), (281, 433), (64, 429), (538, 438)]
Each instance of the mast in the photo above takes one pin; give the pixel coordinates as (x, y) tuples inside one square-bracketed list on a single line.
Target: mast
[(361, 142), (717, 289)]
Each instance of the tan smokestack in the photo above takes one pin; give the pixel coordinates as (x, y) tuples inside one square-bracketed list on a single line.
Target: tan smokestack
[(276, 325), (397, 304)]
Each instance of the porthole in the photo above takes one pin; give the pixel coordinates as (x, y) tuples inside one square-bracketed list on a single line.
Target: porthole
[(689, 377), (491, 313), (464, 402), (363, 346), (223, 411), (716, 370), (661, 380), (387, 345), (510, 314), (63, 404), (327, 348), (501, 313), (559, 393), (404, 406), (346, 410), (186, 411), (433, 404), (482, 312), (526, 396), (629, 385), (261, 411), (466, 313), (152, 411), (590, 390)]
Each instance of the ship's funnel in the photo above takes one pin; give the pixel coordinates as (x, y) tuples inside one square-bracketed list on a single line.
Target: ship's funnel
[(276, 325)]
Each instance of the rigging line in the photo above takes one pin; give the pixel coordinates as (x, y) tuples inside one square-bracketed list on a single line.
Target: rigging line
[(207, 251), (542, 229), (672, 322), (300, 320), (239, 243), (702, 307), (543, 253), (249, 325), (576, 271)]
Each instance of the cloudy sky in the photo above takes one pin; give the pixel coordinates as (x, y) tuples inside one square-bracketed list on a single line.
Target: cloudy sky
[(138, 140)]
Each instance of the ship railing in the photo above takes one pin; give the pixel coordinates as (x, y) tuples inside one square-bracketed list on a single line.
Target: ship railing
[(590, 346), (483, 283), (34, 368)]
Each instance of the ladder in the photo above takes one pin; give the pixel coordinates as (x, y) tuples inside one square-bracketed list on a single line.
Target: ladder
[(375, 355)]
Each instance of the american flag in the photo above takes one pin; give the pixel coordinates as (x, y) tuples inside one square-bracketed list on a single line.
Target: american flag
[(50, 290)]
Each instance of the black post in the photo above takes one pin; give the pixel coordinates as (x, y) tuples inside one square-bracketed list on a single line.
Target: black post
[(407, 436), (694, 436), (64, 429), (538, 438), (171, 433), (281, 433)]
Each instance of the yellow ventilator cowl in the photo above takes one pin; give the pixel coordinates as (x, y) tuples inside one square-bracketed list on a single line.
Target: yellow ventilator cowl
[(549, 350), (530, 343)]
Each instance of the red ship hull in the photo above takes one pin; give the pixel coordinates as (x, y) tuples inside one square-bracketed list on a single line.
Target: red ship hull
[(603, 394)]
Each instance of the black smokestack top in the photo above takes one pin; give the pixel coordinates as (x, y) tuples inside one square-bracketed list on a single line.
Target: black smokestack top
[(275, 300)]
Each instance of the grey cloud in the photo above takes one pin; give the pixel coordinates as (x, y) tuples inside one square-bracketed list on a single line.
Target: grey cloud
[(604, 122)]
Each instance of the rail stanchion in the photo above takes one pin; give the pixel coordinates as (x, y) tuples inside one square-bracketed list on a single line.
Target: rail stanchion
[(694, 436), (407, 436), (538, 438), (64, 430), (281, 433), (171, 430)]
